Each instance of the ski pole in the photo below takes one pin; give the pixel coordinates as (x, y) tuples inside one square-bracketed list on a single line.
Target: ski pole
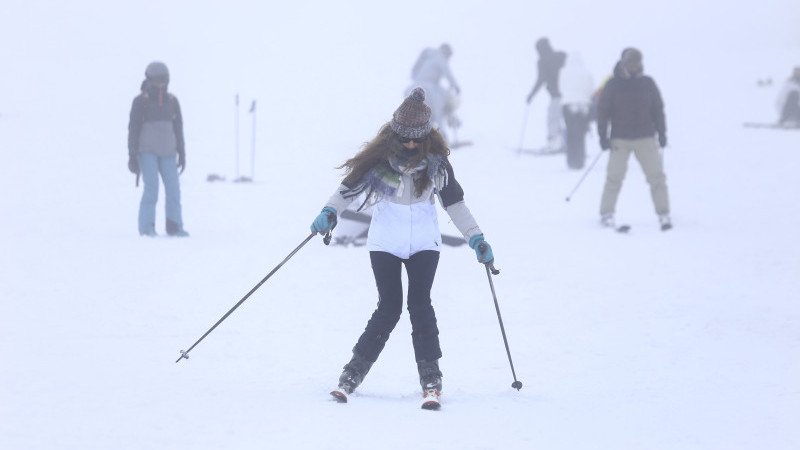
[(490, 270), (253, 147), (237, 136), (326, 240), (591, 166), (524, 125)]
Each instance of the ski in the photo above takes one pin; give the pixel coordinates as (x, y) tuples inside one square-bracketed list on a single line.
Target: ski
[(774, 126), (542, 151), (339, 396), (459, 144), (431, 402), (622, 229)]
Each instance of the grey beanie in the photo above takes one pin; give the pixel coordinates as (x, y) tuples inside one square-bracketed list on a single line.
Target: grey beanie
[(157, 71), (413, 118)]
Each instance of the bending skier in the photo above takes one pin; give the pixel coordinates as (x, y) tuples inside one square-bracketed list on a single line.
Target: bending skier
[(549, 65)]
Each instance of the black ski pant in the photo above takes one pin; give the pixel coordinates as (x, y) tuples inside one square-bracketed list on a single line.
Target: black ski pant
[(576, 122), (421, 269)]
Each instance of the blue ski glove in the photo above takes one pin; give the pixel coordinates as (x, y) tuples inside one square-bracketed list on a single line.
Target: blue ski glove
[(482, 249), (325, 221)]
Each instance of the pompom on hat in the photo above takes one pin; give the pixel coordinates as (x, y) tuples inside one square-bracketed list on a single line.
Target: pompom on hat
[(413, 118)]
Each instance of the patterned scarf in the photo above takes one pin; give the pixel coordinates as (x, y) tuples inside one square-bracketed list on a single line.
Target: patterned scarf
[(384, 180)]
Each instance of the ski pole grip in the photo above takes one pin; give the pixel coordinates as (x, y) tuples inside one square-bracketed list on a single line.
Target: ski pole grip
[(327, 238), (483, 247)]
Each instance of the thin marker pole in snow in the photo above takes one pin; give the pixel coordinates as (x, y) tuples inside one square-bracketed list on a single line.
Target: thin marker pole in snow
[(237, 136), (253, 148), (185, 353), (490, 270)]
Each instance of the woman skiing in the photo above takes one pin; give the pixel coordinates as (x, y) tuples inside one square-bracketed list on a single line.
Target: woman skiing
[(401, 171)]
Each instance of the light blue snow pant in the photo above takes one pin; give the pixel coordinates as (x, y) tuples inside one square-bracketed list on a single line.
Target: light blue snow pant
[(646, 152), (150, 166)]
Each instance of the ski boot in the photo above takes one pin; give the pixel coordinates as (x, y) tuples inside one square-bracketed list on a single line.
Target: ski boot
[(430, 378), (352, 376)]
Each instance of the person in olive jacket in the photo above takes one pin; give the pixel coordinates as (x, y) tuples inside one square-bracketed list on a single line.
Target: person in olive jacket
[(631, 104), (156, 146)]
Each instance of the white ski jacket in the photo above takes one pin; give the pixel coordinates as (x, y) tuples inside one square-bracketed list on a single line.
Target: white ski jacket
[(406, 224)]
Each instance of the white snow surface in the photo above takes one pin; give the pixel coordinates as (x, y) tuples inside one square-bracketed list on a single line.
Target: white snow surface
[(688, 339)]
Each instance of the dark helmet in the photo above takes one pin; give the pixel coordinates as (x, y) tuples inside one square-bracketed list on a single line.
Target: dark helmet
[(157, 71)]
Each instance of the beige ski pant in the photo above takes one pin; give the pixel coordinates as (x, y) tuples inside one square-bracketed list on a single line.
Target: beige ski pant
[(647, 153)]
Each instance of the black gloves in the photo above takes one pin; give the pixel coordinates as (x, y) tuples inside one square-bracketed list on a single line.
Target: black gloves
[(662, 140), (133, 164), (181, 162), (605, 143)]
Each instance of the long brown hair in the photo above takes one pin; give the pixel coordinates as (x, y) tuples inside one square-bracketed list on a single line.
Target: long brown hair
[(386, 143)]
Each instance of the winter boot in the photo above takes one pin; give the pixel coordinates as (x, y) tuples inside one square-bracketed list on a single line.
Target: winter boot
[(352, 376), (666, 223), (175, 230)]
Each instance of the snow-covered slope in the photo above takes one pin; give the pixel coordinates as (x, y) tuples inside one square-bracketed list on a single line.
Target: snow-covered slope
[(680, 340)]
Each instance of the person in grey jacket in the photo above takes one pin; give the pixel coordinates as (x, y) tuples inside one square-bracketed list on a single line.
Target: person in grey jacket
[(156, 146), (402, 170), (631, 104)]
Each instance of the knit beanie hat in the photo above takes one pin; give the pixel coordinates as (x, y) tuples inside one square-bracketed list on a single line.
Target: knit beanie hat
[(413, 118)]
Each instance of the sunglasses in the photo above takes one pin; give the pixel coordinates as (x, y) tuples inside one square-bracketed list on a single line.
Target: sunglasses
[(405, 140)]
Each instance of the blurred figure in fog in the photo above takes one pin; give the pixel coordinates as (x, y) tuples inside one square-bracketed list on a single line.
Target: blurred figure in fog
[(789, 101), (549, 65), (432, 65), (631, 103), (156, 146), (577, 87)]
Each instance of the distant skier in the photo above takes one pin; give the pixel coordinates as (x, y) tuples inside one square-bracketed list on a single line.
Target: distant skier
[(433, 65), (578, 89), (631, 103), (788, 101), (549, 65), (401, 171), (156, 146)]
